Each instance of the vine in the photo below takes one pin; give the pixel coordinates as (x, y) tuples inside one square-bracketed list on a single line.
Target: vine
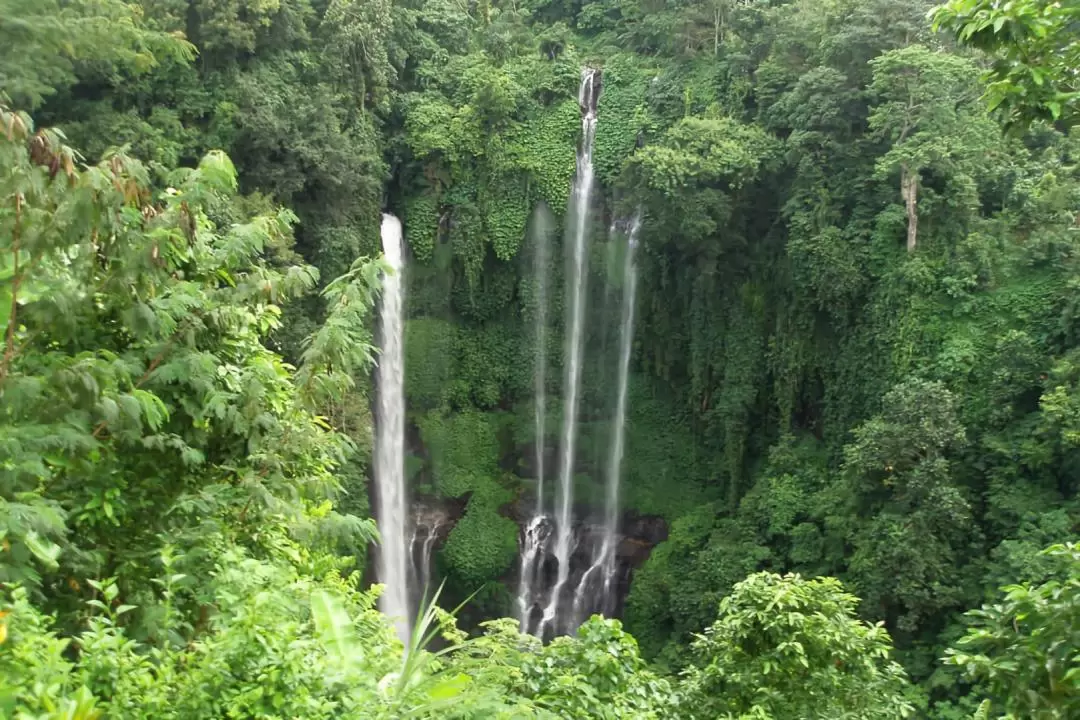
[(422, 224), (621, 116)]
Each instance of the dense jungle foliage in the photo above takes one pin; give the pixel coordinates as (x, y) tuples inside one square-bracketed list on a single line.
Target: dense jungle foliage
[(856, 369)]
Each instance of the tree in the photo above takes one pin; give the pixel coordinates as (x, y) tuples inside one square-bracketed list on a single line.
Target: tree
[(788, 648), (1036, 51), (924, 112), (1023, 648), (138, 403), (356, 37), (689, 177), (897, 476), (47, 43)]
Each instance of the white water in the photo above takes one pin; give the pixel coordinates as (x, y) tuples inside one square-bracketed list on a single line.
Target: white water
[(534, 545), (604, 565), (390, 438), (541, 228), (576, 277), (583, 594), (536, 532), (618, 431), (424, 535)]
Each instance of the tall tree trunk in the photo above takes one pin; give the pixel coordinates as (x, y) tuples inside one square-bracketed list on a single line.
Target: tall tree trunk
[(717, 18), (909, 190)]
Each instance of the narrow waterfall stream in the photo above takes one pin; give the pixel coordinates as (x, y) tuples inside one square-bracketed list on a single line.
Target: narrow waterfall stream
[(538, 530), (541, 230), (595, 590), (576, 276), (390, 437), (425, 533), (618, 431), (534, 547)]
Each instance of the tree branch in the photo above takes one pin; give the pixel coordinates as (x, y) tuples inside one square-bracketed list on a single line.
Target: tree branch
[(16, 280), (100, 427)]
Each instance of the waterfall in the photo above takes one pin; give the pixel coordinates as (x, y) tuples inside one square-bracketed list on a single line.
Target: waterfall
[(580, 203), (541, 230), (534, 539), (534, 546), (390, 437), (618, 431), (425, 533), (597, 584), (425, 561)]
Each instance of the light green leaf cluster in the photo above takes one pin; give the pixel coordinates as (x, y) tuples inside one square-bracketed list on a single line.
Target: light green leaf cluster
[(1022, 649), (784, 647), (1035, 51)]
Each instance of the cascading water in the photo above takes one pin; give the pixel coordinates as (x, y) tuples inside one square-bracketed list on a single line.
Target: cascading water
[(390, 437), (541, 227), (618, 431), (424, 535), (537, 531), (425, 560), (580, 203), (534, 546), (596, 586)]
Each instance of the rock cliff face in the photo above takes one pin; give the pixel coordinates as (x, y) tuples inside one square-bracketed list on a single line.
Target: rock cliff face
[(585, 593), (433, 519)]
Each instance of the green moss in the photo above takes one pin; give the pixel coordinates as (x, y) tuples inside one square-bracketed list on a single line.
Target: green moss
[(495, 365), (422, 224), (489, 295), (430, 354), (506, 210), (464, 451), (482, 545), (661, 454), (621, 115), (548, 143)]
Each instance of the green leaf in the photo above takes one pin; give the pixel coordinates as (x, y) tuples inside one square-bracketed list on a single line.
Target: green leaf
[(334, 627), (44, 550), (450, 687)]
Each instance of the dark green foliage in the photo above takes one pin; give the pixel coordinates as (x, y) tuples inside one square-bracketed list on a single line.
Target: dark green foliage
[(422, 225), (679, 589), (660, 452), (624, 116), (107, 343), (896, 474), (50, 45), (431, 347), (464, 450)]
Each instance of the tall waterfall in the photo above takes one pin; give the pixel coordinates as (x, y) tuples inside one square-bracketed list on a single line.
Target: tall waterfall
[(618, 430), (390, 437), (576, 276), (597, 585), (542, 233), (538, 530)]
